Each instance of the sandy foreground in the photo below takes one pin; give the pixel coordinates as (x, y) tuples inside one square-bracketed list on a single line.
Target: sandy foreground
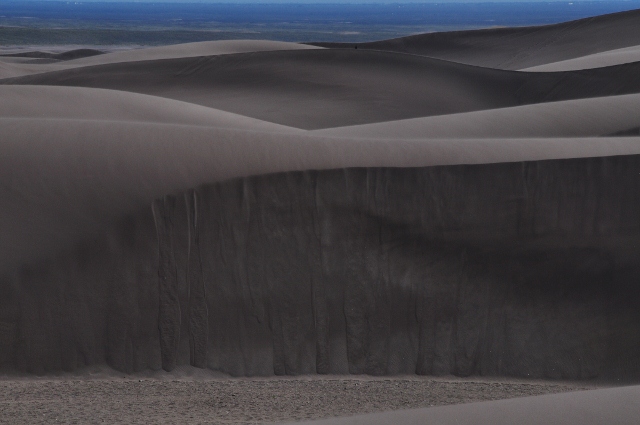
[(202, 398)]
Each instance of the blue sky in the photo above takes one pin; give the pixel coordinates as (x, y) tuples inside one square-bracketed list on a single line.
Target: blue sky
[(335, 1)]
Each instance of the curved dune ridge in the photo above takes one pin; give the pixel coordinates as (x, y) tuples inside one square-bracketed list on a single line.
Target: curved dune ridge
[(596, 60), (44, 102), (314, 89), (264, 208), (9, 67), (570, 118), (89, 172)]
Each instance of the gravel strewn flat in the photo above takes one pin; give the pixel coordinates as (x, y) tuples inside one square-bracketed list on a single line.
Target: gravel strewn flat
[(238, 401)]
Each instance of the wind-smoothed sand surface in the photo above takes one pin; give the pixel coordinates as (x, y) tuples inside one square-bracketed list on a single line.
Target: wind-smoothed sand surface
[(571, 118), (596, 60), (233, 401), (415, 207), (82, 104)]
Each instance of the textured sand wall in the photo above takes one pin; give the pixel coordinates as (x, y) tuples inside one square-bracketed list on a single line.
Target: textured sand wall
[(522, 269)]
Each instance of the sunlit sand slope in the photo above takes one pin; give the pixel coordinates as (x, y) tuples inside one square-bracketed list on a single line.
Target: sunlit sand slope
[(570, 118), (596, 60), (79, 103), (610, 406)]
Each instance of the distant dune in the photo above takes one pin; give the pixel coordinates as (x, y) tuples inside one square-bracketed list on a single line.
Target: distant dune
[(189, 50), (518, 48), (413, 206), (314, 89)]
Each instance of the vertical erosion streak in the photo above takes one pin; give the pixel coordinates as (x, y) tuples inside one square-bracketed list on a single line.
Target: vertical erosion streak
[(198, 313), (169, 303), (319, 297)]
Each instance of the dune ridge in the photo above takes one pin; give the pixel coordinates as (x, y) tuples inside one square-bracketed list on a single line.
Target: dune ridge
[(518, 48), (9, 69), (596, 60), (570, 118), (85, 155), (314, 89)]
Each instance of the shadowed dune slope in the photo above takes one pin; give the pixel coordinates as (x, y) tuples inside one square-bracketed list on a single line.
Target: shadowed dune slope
[(604, 406), (526, 268), (64, 56), (314, 89), (570, 118), (517, 48)]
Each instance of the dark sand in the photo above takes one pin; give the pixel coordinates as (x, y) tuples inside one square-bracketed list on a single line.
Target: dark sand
[(518, 48)]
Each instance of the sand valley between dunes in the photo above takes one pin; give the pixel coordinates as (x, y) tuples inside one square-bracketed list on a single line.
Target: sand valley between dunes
[(442, 227)]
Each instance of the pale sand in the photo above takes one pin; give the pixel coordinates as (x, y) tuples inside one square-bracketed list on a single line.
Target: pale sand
[(79, 103), (147, 399), (597, 407), (597, 60), (10, 68), (570, 118)]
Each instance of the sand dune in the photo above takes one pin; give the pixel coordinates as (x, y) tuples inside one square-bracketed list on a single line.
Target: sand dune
[(604, 406), (314, 89), (62, 56), (597, 60), (89, 172), (187, 50), (570, 118), (78, 103), (10, 67), (517, 48), (167, 206)]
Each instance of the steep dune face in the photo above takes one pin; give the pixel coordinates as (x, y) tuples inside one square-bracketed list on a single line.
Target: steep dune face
[(518, 269), (168, 207), (67, 179), (313, 89), (517, 48)]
